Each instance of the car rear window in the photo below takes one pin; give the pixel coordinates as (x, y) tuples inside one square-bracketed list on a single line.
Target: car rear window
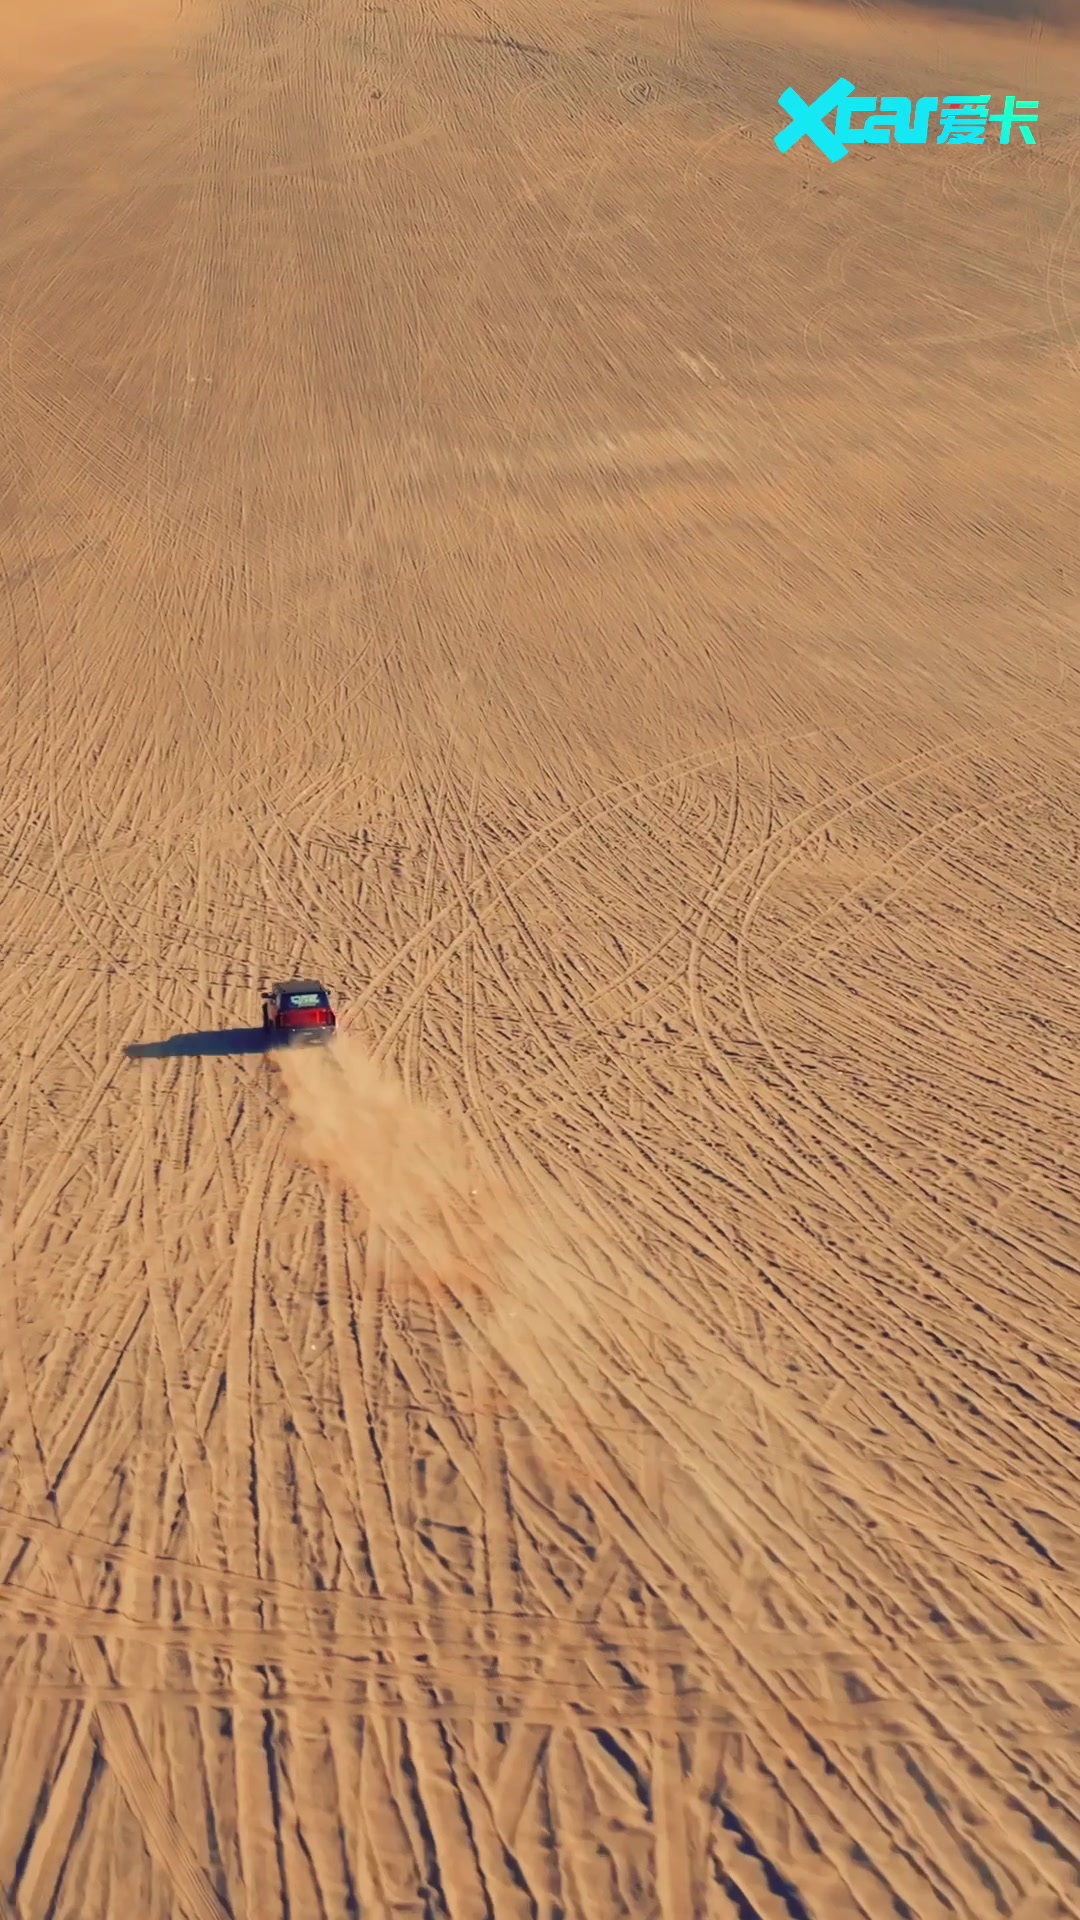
[(305, 1000)]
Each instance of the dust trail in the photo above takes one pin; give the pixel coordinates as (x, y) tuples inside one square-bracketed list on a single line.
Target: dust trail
[(461, 1234), (552, 1306), (538, 1300), (566, 1314)]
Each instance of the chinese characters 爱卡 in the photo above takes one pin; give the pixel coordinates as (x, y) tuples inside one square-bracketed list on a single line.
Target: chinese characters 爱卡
[(964, 119)]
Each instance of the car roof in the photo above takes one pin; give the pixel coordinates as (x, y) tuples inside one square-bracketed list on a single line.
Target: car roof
[(299, 986)]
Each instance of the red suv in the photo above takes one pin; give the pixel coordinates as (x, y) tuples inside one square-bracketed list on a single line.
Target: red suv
[(298, 1013)]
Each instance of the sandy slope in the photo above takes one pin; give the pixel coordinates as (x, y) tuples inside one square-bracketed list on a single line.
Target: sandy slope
[(478, 525)]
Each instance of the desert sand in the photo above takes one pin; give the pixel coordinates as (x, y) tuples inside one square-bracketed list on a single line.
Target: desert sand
[(480, 526)]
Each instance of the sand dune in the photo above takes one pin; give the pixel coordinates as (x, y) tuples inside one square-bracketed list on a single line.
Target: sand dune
[(481, 526)]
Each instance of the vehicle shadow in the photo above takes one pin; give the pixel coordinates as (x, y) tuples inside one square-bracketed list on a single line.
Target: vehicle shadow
[(187, 1046)]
